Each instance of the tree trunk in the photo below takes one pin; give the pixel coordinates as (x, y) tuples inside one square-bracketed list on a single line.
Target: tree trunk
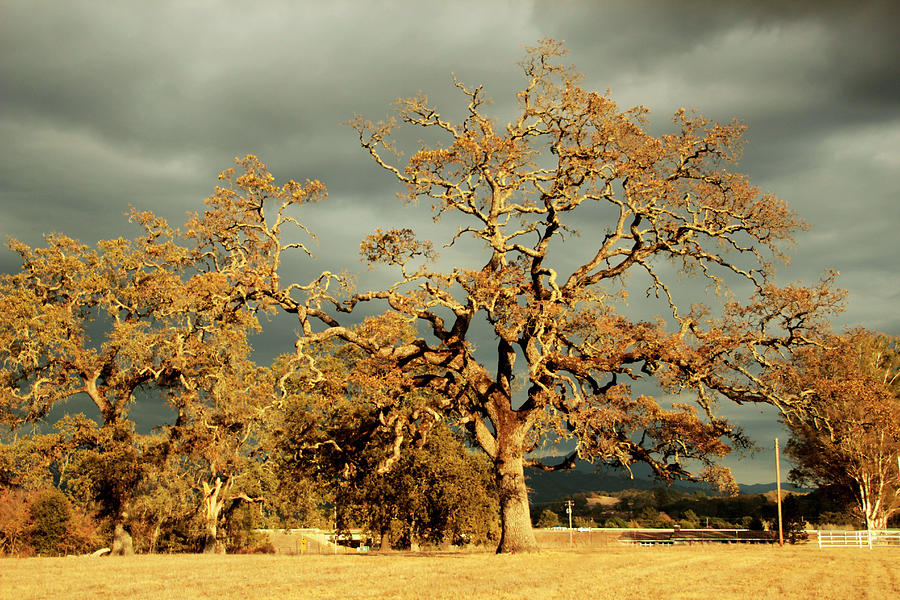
[(122, 542), (870, 505), (385, 545), (413, 536), (210, 544), (154, 536), (875, 519), (505, 446), (212, 506), (515, 514)]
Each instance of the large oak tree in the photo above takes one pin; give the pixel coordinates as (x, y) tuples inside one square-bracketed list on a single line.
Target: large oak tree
[(129, 318), (562, 350)]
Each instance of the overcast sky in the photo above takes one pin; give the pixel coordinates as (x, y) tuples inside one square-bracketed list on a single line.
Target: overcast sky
[(109, 104)]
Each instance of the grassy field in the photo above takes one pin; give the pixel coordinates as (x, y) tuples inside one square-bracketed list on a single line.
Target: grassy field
[(673, 572)]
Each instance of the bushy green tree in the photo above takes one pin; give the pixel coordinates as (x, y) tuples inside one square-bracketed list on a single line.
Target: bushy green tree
[(105, 464), (793, 520), (440, 492), (49, 516), (689, 520), (548, 518), (346, 424)]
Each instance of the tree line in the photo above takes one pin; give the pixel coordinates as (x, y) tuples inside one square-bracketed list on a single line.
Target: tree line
[(170, 312), (206, 482), (823, 508)]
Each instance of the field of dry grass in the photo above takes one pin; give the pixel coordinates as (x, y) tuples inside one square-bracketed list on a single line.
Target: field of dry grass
[(672, 572)]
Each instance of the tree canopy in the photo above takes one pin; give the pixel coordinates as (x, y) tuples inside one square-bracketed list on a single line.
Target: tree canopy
[(653, 208), (129, 318), (846, 430), (343, 424)]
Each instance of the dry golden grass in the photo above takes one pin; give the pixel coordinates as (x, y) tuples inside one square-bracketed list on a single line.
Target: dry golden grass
[(681, 572)]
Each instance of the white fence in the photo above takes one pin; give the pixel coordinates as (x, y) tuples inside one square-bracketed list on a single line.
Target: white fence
[(876, 538), (668, 537)]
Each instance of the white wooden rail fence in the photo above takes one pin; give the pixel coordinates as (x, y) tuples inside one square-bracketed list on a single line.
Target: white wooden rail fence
[(876, 538)]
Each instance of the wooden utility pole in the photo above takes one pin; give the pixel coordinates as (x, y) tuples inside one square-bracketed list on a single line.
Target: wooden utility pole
[(778, 486), (569, 511)]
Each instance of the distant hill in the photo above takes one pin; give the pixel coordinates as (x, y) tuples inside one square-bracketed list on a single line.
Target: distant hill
[(547, 486), (763, 488)]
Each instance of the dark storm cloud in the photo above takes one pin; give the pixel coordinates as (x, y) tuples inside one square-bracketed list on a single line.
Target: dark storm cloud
[(849, 47), (110, 105), (818, 85), (182, 77), (105, 105)]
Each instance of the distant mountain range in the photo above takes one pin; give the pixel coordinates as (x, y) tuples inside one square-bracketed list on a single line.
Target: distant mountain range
[(547, 486)]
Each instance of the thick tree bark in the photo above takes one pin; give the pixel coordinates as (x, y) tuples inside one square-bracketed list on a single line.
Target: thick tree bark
[(875, 517), (515, 514), (210, 544), (122, 542), (212, 507), (385, 545), (154, 536), (505, 445)]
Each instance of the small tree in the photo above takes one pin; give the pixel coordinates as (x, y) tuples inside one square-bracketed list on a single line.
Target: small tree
[(794, 522), (690, 520), (846, 431), (437, 493), (49, 515), (548, 518), (14, 522)]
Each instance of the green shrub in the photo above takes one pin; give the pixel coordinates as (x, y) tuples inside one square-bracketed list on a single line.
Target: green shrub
[(579, 521), (689, 520), (49, 517), (617, 522), (756, 524), (548, 518)]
